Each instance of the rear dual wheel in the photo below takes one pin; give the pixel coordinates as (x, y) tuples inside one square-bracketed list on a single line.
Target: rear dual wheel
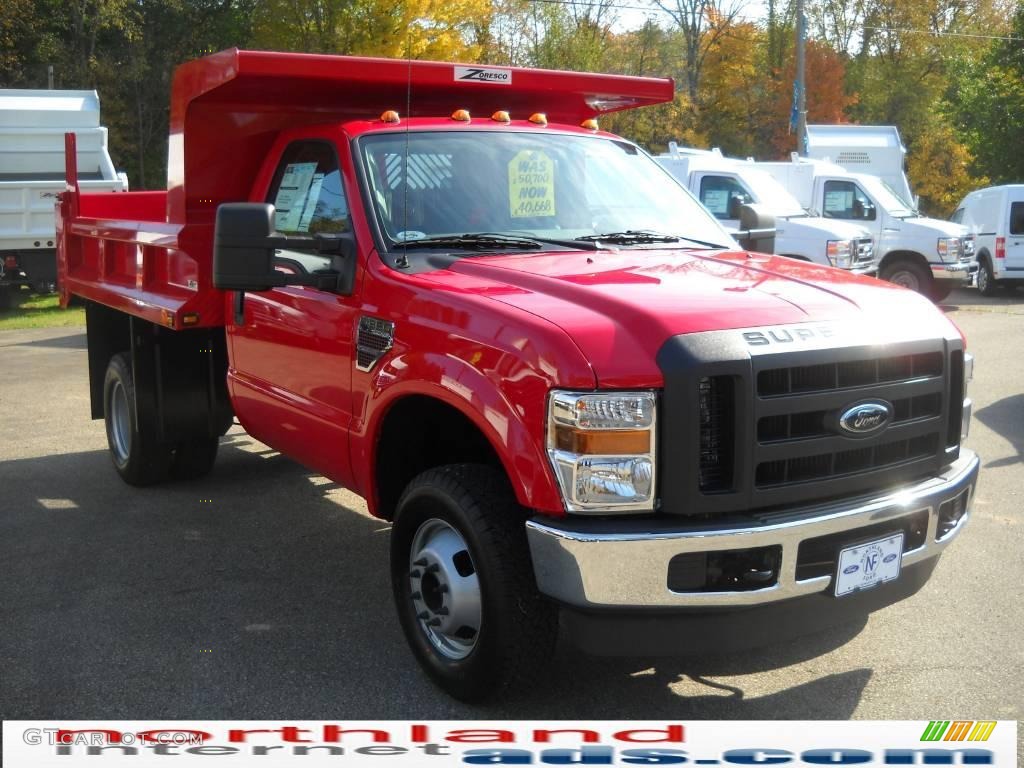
[(139, 457), (463, 584)]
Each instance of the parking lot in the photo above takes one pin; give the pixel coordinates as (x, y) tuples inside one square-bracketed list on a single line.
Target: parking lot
[(263, 590)]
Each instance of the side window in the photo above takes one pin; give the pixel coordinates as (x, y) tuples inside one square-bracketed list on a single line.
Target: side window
[(958, 216), (1017, 219), (307, 192), (717, 193), (846, 200)]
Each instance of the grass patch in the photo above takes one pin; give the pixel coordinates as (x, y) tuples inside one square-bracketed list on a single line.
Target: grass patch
[(29, 310)]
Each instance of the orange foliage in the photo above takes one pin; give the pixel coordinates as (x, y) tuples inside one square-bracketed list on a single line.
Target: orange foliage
[(827, 100)]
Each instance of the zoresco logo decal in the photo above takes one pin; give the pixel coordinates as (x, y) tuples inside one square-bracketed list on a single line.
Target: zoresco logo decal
[(484, 75), (958, 730)]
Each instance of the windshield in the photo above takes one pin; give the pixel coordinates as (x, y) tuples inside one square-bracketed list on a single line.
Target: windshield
[(771, 193), (555, 188), (886, 197)]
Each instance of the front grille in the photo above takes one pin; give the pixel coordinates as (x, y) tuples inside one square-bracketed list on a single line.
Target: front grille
[(848, 374), (865, 252), (755, 420), (822, 465), (715, 397)]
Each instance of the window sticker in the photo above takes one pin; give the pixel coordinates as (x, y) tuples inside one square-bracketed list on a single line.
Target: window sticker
[(292, 195), (717, 201), (531, 185), (839, 200), (312, 200)]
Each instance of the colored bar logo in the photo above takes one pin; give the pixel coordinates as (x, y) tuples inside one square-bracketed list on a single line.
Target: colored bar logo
[(958, 730)]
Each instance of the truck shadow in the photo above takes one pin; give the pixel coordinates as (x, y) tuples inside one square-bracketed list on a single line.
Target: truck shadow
[(263, 590), (1006, 418)]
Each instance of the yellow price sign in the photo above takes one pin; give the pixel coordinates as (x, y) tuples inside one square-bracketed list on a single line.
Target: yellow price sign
[(531, 185)]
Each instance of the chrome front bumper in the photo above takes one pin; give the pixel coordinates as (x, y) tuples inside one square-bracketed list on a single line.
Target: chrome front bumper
[(961, 270), (605, 564)]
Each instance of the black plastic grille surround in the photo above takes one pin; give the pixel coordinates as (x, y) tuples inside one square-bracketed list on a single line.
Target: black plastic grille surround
[(781, 403)]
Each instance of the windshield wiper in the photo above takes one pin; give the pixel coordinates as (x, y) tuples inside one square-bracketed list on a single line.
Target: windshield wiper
[(642, 236), (471, 242)]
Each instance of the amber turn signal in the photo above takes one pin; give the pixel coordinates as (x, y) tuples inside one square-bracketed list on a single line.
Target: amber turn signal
[(604, 442)]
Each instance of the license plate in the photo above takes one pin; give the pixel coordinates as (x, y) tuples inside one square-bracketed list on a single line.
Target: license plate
[(867, 565)]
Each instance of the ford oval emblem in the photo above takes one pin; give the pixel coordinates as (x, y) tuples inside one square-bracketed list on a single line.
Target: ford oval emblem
[(851, 569), (866, 418), (889, 558)]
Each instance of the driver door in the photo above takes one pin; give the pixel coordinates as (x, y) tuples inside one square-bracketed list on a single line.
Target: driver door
[(292, 355)]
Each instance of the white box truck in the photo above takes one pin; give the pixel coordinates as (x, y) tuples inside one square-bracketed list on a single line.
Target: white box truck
[(32, 128), (995, 218), (723, 184), (874, 149), (926, 255)]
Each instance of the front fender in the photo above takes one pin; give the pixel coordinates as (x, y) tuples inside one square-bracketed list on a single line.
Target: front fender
[(514, 426)]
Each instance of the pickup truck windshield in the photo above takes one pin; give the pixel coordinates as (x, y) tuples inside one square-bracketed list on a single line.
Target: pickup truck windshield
[(557, 188)]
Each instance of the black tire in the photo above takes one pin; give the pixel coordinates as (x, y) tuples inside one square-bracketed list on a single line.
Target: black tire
[(909, 274), (139, 458), (985, 280), (517, 627), (194, 459), (941, 289)]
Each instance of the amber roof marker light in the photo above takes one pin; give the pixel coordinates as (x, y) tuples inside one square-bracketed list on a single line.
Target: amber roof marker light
[(501, 116), (539, 118), (390, 116), (590, 124), (461, 115)]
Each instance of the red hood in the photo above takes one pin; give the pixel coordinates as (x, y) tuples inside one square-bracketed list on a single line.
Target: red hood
[(620, 307)]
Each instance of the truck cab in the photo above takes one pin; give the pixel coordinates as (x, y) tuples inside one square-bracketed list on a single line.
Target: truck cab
[(581, 407), (724, 184), (927, 255)]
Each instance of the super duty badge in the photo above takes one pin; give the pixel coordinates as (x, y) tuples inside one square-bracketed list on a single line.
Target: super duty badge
[(484, 75), (788, 335)]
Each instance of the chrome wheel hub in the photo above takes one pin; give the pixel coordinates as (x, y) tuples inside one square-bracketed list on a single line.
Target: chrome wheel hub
[(120, 423), (444, 589)]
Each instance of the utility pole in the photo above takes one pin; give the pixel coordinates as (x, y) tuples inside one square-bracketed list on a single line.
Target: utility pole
[(801, 80)]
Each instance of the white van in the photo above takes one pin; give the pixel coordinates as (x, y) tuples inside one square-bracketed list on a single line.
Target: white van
[(722, 184), (927, 255), (995, 218)]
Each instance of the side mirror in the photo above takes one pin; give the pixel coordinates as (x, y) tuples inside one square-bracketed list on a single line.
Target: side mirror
[(244, 242), (757, 229), (735, 204), (243, 249)]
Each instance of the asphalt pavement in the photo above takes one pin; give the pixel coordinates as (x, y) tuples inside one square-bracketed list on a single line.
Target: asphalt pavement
[(262, 591)]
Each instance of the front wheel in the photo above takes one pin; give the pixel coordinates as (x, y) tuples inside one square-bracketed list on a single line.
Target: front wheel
[(463, 584), (986, 280), (908, 274), (941, 289)]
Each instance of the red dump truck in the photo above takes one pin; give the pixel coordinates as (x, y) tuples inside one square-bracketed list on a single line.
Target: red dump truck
[(579, 402)]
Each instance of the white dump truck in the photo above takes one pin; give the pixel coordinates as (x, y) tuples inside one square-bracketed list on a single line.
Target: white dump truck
[(723, 184), (926, 255), (32, 128)]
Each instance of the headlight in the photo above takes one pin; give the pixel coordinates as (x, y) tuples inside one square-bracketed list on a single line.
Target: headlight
[(602, 448), (949, 248), (840, 253)]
